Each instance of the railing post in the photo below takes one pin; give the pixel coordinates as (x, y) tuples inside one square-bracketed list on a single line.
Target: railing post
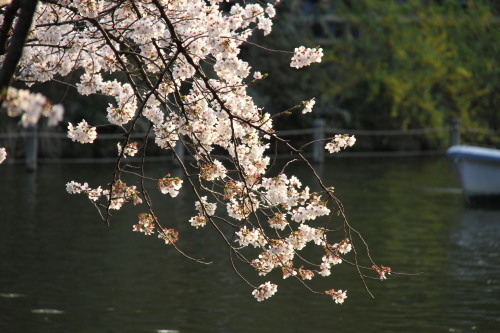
[(31, 148), (319, 134), (456, 125)]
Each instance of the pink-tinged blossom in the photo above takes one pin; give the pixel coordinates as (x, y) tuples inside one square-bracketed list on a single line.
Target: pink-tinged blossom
[(130, 149), (331, 259), (345, 247), (288, 269), (198, 221), (265, 263), (146, 224), (265, 291), (278, 221), (306, 274), (382, 271), (304, 57), (170, 185), (204, 207), (241, 208), (170, 236), (83, 132), (282, 249), (337, 295), (212, 171), (120, 194)]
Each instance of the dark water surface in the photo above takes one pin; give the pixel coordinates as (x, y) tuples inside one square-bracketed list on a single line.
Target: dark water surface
[(61, 270)]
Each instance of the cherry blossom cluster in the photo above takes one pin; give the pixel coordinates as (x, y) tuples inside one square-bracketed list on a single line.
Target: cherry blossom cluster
[(74, 187), (130, 149), (118, 194), (338, 295), (170, 236), (179, 70), (304, 57), (82, 132), (340, 141), (212, 171), (253, 237), (382, 271), (146, 224), (264, 291), (170, 185)]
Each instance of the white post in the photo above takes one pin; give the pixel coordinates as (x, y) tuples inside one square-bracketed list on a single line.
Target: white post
[(455, 131), (31, 148)]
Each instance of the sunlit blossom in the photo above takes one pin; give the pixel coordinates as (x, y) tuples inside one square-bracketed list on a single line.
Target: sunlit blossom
[(3, 154), (338, 296), (304, 56), (83, 132), (265, 291)]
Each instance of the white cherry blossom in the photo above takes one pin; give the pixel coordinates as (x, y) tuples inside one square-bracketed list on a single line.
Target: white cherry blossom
[(303, 57), (83, 132)]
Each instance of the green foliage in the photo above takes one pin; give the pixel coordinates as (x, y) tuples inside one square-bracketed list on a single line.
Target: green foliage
[(389, 64), (417, 63)]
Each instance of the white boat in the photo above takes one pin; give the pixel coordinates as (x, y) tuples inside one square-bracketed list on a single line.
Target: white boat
[(479, 170)]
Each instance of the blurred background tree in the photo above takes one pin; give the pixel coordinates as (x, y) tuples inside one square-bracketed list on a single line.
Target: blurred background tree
[(395, 64)]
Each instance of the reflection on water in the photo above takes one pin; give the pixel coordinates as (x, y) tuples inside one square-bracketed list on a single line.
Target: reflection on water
[(62, 270), (474, 291), (47, 311)]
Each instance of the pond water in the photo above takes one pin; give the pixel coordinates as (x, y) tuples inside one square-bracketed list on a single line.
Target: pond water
[(62, 270)]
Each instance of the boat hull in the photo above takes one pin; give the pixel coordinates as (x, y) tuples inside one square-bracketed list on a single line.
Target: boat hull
[(479, 170)]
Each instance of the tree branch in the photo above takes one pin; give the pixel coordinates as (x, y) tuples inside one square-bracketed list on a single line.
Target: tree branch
[(15, 48)]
